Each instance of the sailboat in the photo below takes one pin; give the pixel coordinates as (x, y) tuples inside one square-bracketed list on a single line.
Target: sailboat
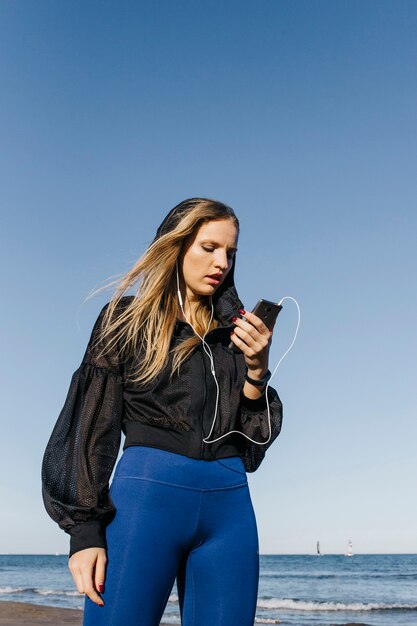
[(349, 550), (318, 549)]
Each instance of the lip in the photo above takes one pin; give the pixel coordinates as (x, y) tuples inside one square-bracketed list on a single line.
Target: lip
[(215, 280)]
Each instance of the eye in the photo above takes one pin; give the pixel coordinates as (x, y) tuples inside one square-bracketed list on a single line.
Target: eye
[(230, 255)]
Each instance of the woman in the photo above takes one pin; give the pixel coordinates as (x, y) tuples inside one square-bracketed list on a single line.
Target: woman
[(158, 367)]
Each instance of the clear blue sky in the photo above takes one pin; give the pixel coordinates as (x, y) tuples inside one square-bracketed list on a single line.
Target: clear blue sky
[(302, 116)]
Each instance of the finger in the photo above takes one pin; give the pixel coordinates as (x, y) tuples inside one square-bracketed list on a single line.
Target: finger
[(100, 572), (238, 342), (78, 582), (241, 340), (89, 588), (257, 322), (251, 336), (76, 574), (247, 327)]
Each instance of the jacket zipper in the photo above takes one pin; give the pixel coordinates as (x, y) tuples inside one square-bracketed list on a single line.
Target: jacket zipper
[(204, 403)]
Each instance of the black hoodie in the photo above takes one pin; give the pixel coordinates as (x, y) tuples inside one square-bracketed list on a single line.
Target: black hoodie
[(101, 404)]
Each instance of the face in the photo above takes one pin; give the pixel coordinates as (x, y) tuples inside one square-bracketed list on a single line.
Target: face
[(208, 257)]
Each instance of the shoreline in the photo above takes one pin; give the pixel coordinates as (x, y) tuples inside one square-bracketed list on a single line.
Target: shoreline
[(27, 614)]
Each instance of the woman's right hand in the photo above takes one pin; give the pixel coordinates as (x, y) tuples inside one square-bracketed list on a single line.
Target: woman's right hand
[(88, 569)]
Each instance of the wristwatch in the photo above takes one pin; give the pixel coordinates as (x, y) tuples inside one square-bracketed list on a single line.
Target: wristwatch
[(261, 382)]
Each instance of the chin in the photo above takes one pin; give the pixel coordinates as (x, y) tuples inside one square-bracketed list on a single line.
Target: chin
[(206, 290)]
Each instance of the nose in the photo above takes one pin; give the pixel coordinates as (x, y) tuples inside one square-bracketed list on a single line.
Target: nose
[(222, 261)]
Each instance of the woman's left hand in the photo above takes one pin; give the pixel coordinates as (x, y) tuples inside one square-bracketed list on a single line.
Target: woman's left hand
[(254, 339)]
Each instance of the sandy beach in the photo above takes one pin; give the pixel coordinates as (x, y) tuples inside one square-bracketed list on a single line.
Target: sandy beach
[(25, 614)]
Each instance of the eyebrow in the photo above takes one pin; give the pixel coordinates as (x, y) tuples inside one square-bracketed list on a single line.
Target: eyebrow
[(214, 243)]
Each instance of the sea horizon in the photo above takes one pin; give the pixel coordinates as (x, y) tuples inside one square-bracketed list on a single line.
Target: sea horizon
[(260, 554)]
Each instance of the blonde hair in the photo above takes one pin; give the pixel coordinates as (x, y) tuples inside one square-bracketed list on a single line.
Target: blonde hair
[(147, 322)]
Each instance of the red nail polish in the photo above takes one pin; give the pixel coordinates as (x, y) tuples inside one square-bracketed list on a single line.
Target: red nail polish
[(242, 311), (232, 333), (234, 319), (101, 588)]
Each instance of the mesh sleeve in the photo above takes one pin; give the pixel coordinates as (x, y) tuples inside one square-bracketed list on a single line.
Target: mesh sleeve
[(253, 417), (82, 450)]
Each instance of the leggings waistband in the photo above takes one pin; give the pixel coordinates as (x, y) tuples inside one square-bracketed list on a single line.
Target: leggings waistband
[(145, 462)]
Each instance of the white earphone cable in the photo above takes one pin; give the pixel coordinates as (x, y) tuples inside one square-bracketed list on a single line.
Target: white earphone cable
[(207, 350)]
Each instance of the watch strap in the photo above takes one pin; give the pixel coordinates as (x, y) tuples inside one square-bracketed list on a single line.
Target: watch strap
[(261, 382)]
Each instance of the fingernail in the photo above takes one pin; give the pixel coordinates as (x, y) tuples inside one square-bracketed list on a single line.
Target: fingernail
[(232, 333), (101, 588), (234, 319), (101, 603), (242, 311)]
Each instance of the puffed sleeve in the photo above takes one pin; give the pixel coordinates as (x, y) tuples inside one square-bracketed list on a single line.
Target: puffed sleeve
[(253, 421), (83, 447)]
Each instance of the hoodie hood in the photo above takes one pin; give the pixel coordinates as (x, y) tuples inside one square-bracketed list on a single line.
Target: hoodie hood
[(226, 301)]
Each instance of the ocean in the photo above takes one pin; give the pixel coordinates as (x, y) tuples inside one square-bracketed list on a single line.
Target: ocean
[(298, 590)]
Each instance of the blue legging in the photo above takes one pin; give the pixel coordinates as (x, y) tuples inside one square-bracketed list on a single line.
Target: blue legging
[(182, 518)]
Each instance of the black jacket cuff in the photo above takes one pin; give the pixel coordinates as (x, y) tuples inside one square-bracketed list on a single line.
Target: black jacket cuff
[(253, 405), (90, 534)]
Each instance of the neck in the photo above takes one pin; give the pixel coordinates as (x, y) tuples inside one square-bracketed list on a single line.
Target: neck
[(189, 312), (191, 301), (190, 306)]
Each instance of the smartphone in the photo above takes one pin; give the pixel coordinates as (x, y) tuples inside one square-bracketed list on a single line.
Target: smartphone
[(267, 311)]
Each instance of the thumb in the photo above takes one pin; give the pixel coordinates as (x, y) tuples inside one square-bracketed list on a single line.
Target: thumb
[(100, 573)]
